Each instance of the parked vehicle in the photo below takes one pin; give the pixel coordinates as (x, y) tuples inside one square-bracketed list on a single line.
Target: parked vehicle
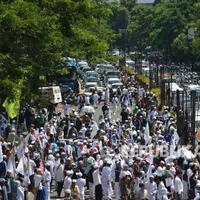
[(112, 81), (91, 74), (53, 93), (130, 63), (113, 74), (84, 70), (115, 86)]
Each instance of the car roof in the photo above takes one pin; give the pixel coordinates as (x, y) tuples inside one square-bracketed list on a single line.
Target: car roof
[(113, 79)]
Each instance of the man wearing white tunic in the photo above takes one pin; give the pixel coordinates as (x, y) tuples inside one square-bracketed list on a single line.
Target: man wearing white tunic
[(68, 180), (66, 108), (96, 99), (87, 100), (115, 101), (106, 180), (20, 191), (81, 182), (178, 187), (97, 182), (151, 188), (59, 177), (161, 187), (47, 181)]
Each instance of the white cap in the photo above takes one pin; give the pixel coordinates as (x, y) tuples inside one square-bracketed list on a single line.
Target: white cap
[(69, 172), (68, 191), (26, 150), (79, 174), (159, 171)]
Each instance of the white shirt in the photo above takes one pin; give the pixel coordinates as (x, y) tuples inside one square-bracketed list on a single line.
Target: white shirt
[(83, 130), (81, 182), (59, 173), (47, 178), (161, 187), (87, 100), (67, 182), (152, 190), (20, 193), (197, 197), (56, 163), (178, 185), (96, 177), (68, 149), (37, 181), (96, 97), (106, 174), (53, 130)]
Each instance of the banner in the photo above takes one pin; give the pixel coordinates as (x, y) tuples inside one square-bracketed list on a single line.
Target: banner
[(12, 106)]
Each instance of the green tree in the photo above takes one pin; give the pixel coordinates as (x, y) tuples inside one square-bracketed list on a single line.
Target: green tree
[(84, 26), (171, 20), (31, 45), (140, 27)]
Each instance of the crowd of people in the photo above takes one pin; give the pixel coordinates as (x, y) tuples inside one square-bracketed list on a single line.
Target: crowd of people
[(129, 152)]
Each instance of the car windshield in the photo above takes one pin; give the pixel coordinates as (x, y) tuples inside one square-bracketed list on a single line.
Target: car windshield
[(91, 79), (113, 81), (115, 86), (113, 76), (86, 69)]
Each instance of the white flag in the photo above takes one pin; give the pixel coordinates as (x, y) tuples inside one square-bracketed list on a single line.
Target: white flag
[(147, 134), (11, 165), (20, 167)]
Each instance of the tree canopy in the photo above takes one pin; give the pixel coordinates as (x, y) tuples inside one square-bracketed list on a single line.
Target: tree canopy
[(163, 26), (35, 35)]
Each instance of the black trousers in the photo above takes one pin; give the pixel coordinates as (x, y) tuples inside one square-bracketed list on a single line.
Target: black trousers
[(59, 187), (98, 192)]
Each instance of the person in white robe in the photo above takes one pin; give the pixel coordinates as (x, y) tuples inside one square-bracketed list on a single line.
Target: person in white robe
[(161, 188), (47, 180), (68, 180), (66, 108), (106, 180), (81, 182), (115, 102), (20, 191), (96, 99), (151, 187), (87, 100), (178, 187)]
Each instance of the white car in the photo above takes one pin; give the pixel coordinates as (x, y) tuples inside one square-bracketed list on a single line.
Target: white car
[(91, 74), (90, 85), (115, 86), (83, 71), (112, 81)]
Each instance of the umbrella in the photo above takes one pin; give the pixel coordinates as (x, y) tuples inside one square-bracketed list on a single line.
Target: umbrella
[(88, 109)]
